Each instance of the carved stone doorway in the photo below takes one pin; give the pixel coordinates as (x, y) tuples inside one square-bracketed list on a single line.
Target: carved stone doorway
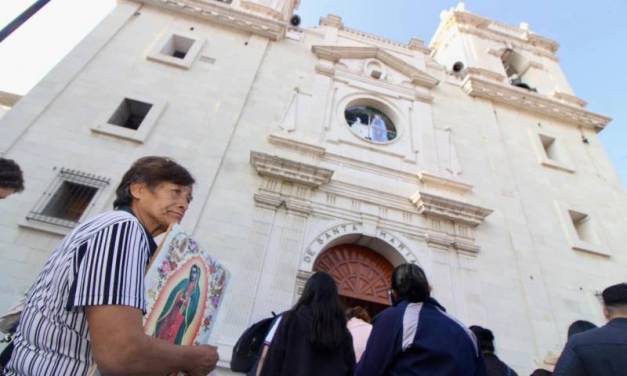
[(362, 275)]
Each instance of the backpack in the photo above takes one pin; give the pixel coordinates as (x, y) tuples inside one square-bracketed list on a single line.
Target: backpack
[(247, 349)]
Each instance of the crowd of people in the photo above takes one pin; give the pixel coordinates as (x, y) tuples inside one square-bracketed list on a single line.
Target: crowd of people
[(86, 306)]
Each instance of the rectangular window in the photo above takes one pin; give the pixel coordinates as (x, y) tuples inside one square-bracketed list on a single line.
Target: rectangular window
[(548, 144), (583, 231), (69, 201), (179, 49), (551, 152), (68, 198), (177, 46), (130, 113), (131, 118), (583, 227)]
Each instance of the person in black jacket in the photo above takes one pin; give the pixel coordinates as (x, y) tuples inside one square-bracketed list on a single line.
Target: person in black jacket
[(494, 366), (601, 351), (311, 339)]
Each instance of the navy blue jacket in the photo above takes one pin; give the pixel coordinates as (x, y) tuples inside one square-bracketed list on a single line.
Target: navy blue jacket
[(599, 352), (410, 339)]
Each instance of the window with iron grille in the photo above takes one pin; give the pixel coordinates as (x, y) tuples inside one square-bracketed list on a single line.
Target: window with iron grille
[(67, 198)]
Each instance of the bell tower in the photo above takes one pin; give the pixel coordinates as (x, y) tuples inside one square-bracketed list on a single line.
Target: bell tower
[(468, 43)]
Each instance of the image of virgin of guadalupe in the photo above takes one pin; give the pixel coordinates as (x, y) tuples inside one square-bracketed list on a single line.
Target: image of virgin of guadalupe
[(180, 308), (379, 130)]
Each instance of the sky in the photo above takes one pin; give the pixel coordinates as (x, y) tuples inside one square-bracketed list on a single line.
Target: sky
[(591, 35)]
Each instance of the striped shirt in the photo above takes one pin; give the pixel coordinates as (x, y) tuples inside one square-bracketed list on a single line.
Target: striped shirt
[(102, 262)]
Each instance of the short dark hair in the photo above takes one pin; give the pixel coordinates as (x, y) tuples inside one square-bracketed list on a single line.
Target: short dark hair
[(485, 338), (410, 282), (615, 295), (579, 326), (358, 312), (152, 171), (11, 175)]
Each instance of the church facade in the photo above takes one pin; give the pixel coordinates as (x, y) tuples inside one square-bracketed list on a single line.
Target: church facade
[(333, 149)]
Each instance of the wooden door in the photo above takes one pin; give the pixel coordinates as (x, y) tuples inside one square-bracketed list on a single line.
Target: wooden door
[(359, 272)]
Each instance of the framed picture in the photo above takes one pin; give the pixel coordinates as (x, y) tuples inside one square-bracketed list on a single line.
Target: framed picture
[(184, 289)]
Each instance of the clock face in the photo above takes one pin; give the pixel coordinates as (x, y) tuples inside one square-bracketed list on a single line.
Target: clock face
[(370, 124)]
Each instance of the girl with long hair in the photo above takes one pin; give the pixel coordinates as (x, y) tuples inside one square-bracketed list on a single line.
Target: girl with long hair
[(311, 339)]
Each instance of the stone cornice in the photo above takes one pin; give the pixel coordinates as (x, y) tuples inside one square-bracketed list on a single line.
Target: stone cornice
[(335, 53), (340, 160), (448, 242), (470, 23), (415, 44), (530, 101), (269, 11), (454, 210), (439, 182), (274, 200), (284, 169), (226, 15)]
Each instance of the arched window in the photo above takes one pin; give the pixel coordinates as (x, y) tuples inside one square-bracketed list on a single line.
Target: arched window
[(370, 123)]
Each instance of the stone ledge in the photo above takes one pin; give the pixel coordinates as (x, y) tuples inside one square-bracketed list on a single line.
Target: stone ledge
[(225, 15), (447, 183), (454, 210), (526, 100), (448, 242), (284, 169)]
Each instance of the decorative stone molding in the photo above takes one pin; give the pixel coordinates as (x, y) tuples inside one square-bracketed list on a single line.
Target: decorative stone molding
[(224, 14), (571, 99), (337, 159), (524, 99), (449, 242), (271, 9), (454, 210), (434, 181), (482, 72), (288, 170), (269, 200), (335, 53), (520, 38), (415, 44), (301, 280), (399, 249), (332, 20), (292, 144)]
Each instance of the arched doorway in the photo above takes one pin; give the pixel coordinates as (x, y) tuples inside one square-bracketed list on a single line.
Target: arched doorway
[(362, 275)]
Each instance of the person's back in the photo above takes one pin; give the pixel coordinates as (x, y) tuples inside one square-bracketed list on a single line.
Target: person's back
[(311, 339), (494, 366), (360, 328), (599, 352), (432, 344), (416, 336), (293, 354)]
